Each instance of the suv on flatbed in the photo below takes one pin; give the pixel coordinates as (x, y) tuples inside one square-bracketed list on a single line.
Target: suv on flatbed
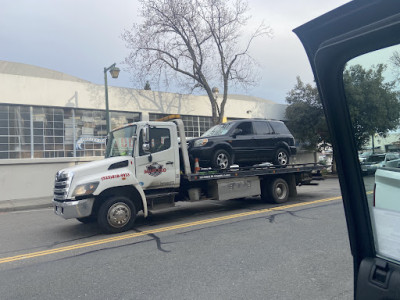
[(243, 142)]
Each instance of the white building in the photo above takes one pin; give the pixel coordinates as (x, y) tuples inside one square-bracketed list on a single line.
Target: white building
[(50, 120), (388, 143)]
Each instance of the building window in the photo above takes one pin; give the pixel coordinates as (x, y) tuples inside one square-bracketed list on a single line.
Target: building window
[(50, 132), (90, 132), (15, 134), (195, 126)]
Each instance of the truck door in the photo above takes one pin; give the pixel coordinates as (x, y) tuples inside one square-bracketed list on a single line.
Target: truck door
[(354, 52), (159, 166)]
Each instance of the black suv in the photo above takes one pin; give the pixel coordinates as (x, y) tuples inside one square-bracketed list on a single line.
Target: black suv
[(244, 142)]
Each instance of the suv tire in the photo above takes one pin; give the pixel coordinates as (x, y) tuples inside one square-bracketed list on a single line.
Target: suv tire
[(281, 157), (221, 159)]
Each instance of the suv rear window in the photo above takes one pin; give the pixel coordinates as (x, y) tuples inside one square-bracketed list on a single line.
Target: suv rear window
[(279, 127)]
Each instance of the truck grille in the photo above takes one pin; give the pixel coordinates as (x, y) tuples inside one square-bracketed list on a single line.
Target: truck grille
[(61, 185)]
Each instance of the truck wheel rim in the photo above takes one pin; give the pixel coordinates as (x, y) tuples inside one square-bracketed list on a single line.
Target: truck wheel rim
[(282, 158), (222, 161), (280, 191), (119, 215)]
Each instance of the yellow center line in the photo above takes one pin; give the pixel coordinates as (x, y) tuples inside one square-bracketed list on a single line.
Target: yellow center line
[(158, 230)]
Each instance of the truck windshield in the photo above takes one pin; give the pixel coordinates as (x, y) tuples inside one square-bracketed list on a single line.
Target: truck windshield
[(220, 129), (120, 142)]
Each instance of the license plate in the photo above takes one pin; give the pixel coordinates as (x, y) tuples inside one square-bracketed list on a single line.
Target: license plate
[(364, 169)]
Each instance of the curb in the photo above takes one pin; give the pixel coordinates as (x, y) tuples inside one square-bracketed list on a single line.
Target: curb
[(20, 205)]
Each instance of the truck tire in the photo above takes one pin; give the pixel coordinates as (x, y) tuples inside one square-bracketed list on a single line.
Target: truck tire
[(116, 214), (281, 157), (275, 191), (221, 159), (87, 220)]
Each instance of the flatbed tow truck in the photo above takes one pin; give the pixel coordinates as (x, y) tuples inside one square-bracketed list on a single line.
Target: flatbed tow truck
[(146, 168)]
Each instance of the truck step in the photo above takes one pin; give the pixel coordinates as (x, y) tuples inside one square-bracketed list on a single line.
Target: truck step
[(160, 201)]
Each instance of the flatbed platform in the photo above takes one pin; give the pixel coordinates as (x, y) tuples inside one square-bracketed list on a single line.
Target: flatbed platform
[(253, 171)]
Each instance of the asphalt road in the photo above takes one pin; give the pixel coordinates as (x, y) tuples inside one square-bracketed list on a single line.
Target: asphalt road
[(238, 249)]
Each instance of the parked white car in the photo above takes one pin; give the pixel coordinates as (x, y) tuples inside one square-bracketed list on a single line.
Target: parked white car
[(386, 194), (392, 160)]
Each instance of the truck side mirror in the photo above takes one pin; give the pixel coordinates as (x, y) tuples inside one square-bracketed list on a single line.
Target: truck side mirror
[(146, 135), (146, 147), (146, 139)]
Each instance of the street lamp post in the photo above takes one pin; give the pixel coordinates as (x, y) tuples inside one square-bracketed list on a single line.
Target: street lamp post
[(114, 71)]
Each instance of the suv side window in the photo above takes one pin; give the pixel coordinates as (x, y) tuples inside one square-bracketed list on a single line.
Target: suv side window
[(262, 128), (247, 128), (279, 127)]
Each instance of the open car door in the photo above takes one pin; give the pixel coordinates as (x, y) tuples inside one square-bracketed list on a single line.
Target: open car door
[(354, 52)]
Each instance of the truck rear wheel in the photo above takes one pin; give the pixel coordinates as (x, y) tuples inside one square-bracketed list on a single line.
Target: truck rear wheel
[(275, 191), (116, 214)]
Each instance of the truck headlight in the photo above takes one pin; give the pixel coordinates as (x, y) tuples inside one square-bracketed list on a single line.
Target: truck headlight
[(85, 189), (201, 142)]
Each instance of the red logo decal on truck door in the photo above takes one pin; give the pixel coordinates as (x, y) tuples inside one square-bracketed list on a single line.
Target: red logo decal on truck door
[(155, 169)]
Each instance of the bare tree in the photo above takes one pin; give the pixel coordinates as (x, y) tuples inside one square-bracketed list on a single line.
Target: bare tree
[(197, 43)]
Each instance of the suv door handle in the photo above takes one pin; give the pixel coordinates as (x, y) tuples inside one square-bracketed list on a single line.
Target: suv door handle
[(170, 162)]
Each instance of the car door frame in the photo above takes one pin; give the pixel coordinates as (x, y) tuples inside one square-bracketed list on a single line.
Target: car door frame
[(243, 145), (330, 41), (265, 142)]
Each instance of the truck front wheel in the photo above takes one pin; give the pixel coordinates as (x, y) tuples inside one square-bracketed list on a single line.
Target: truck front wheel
[(116, 214)]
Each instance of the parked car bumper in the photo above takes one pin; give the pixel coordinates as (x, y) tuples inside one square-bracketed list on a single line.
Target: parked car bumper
[(368, 169)]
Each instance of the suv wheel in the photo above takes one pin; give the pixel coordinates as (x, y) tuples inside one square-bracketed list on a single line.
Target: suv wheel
[(221, 160), (281, 157)]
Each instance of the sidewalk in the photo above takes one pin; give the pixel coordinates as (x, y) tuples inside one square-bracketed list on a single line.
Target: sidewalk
[(25, 204)]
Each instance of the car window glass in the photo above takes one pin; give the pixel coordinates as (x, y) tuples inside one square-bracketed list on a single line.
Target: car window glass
[(246, 127), (160, 139), (220, 129), (120, 142), (262, 128), (372, 89), (279, 127)]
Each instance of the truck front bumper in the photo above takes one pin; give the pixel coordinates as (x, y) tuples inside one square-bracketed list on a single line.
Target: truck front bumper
[(73, 209)]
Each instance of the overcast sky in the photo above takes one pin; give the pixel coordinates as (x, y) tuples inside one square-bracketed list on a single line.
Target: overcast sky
[(81, 37)]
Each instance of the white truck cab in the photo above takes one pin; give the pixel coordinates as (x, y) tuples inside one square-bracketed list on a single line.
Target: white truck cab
[(139, 156)]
